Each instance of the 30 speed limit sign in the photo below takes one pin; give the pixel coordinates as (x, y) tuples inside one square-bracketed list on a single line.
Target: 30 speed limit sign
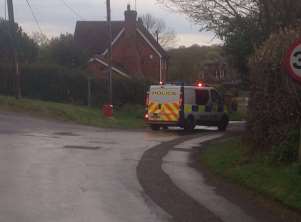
[(293, 61), (293, 65)]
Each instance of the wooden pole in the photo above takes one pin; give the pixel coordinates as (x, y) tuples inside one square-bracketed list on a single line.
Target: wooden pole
[(299, 156), (13, 30), (110, 52), (89, 91), (5, 9)]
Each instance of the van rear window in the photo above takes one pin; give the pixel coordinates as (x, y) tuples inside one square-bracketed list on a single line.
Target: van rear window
[(202, 97), (164, 94)]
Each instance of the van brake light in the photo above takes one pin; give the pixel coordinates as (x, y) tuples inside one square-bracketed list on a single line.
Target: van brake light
[(147, 99), (181, 100), (146, 116)]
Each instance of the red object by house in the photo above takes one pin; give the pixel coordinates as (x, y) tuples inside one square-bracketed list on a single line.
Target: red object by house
[(107, 110), (135, 51)]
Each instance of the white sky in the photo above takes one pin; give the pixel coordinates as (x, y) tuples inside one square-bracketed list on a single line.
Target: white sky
[(55, 18)]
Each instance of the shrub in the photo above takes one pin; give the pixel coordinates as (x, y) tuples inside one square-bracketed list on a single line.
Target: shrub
[(288, 150), (54, 83), (6, 80), (275, 99)]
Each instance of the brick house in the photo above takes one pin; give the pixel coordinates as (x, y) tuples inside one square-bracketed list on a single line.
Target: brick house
[(135, 52)]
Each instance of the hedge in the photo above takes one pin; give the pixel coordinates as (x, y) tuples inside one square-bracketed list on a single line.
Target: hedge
[(275, 98), (60, 84)]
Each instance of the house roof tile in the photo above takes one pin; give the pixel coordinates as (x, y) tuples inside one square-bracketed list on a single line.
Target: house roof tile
[(92, 35)]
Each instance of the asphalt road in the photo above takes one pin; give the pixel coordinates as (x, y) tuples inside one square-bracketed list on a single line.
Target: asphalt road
[(57, 172), (60, 172)]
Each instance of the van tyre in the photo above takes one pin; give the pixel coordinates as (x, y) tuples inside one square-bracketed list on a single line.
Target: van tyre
[(189, 124), (223, 124), (165, 127), (155, 127)]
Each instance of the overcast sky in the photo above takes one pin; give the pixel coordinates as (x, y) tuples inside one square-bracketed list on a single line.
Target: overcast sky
[(55, 17)]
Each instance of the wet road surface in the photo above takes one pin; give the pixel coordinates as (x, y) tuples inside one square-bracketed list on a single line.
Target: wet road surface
[(59, 172), (176, 165), (172, 176), (69, 173)]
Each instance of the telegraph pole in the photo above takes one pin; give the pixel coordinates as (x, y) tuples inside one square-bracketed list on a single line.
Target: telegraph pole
[(110, 52), (11, 19)]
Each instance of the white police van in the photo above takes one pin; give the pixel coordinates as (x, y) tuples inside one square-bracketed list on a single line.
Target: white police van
[(185, 106)]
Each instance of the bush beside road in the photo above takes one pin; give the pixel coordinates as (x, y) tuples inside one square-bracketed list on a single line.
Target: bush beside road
[(230, 159), (126, 117)]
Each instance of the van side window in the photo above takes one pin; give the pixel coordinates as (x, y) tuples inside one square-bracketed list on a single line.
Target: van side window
[(202, 97), (216, 97), (217, 101)]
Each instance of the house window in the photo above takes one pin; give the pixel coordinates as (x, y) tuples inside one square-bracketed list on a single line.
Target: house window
[(151, 56)]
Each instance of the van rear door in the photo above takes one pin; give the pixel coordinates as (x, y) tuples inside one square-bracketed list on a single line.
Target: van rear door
[(164, 103)]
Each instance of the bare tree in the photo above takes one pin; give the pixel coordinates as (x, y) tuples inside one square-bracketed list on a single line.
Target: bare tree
[(40, 38), (213, 15), (157, 27), (242, 24)]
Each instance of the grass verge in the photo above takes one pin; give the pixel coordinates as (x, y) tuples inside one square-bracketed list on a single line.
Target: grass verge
[(279, 182), (237, 116), (127, 117)]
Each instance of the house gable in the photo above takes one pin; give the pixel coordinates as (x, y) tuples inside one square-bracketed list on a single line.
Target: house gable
[(117, 38), (148, 38), (134, 50), (151, 60)]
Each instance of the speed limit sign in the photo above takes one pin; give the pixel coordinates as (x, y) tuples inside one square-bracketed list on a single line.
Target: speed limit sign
[(293, 65), (293, 61)]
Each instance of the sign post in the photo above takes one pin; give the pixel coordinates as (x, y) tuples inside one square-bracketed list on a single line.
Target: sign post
[(108, 108), (293, 66)]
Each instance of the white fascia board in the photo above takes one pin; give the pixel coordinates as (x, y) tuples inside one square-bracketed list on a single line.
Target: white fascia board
[(115, 40), (113, 68), (149, 43)]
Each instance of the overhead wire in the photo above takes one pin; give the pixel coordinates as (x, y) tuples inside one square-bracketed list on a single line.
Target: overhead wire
[(72, 9), (34, 16)]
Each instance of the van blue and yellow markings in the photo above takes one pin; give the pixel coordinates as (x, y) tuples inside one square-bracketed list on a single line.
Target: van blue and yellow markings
[(188, 108), (202, 109)]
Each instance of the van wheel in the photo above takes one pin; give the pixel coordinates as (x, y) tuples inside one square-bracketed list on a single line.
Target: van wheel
[(223, 124), (155, 127), (165, 127), (189, 124)]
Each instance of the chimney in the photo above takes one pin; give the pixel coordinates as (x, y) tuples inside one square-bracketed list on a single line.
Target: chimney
[(130, 21), (131, 53)]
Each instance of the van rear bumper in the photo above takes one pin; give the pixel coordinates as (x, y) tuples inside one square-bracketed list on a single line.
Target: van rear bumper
[(162, 123)]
